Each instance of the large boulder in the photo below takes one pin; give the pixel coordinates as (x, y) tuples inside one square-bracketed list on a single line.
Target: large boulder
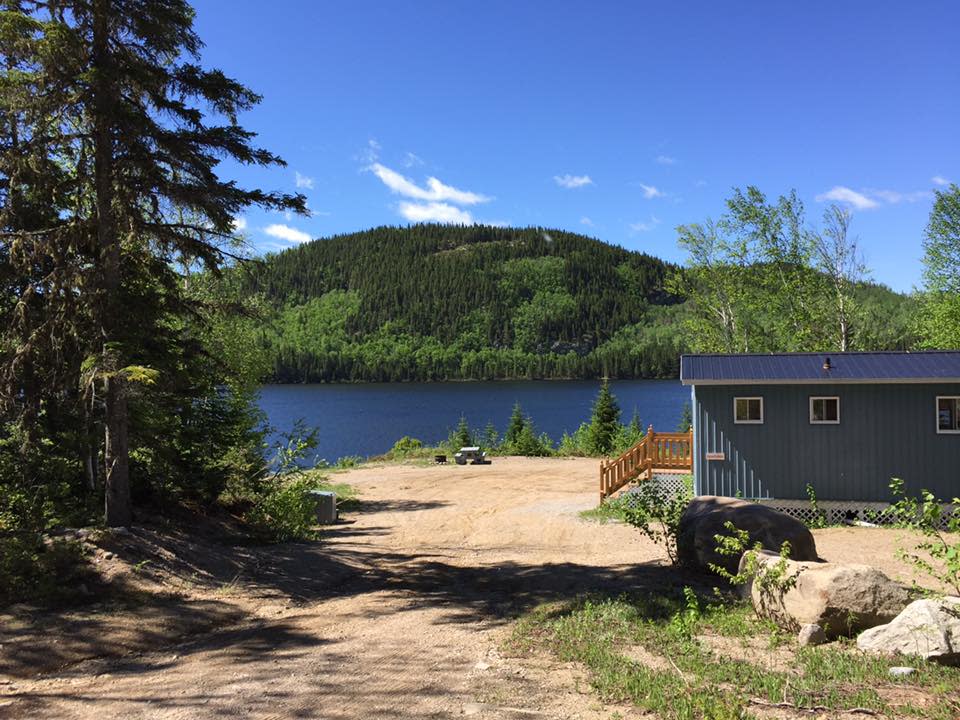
[(842, 599), (929, 628), (707, 515)]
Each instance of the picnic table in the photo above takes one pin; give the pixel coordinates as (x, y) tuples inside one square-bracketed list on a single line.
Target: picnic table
[(472, 453)]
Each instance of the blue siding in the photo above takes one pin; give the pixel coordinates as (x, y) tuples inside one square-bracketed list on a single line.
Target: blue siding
[(885, 431)]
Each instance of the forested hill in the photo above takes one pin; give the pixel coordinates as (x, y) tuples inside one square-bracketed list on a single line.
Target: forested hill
[(432, 302)]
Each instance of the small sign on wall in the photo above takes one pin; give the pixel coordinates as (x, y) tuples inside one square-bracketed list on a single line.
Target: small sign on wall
[(716, 456)]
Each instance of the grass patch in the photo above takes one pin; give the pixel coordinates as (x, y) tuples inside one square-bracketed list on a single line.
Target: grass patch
[(695, 681), (604, 513)]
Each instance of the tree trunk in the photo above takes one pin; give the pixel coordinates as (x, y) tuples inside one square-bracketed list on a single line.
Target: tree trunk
[(117, 506)]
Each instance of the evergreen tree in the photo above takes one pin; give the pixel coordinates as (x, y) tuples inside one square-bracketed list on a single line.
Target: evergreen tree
[(462, 436), (514, 426), (604, 422), (491, 437), (105, 124), (686, 418)]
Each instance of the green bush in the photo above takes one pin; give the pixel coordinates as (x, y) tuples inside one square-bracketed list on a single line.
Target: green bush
[(284, 510), (34, 570), (656, 512), (938, 554), (404, 448)]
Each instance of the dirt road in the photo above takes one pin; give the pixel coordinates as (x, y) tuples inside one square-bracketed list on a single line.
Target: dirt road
[(399, 613)]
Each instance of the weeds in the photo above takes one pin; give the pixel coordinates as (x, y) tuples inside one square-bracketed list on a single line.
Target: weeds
[(695, 682), (938, 554)]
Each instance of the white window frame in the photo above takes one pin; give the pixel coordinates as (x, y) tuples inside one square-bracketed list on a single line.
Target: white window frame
[(936, 413), (748, 422), (824, 422)]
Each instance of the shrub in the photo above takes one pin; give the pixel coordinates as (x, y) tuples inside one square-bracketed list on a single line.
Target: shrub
[(405, 447), (819, 516), (772, 581), (656, 512), (937, 555), (285, 511)]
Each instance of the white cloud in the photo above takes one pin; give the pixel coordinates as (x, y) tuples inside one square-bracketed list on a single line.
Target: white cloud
[(435, 212), (665, 160), (412, 160), (586, 221), (303, 181), (572, 181), (650, 192), (645, 226), (893, 197), (370, 154), (435, 192), (843, 194), (869, 198), (939, 180), (239, 224), (700, 183), (285, 232)]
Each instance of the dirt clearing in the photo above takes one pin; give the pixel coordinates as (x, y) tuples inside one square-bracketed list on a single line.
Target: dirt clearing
[(400, 612)]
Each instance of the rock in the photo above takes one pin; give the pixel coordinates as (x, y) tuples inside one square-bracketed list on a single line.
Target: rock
[(811, 634), (842, 599), (706, 516), (901, 671), (928, 628)]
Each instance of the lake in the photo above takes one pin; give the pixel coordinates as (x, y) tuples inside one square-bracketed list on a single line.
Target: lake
[(366, 419)]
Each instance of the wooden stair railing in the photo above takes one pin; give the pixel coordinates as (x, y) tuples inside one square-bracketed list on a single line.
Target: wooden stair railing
[(669, 452)]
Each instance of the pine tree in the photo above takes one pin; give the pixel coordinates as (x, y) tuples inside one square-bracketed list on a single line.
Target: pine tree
[(515, 426), (110, 89), (604, 423), (462, 436), (686, 418)]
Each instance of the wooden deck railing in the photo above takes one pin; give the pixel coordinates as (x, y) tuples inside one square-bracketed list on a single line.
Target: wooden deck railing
[(656, 452)]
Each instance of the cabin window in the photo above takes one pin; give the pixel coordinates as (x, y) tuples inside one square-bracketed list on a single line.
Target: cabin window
[(824, 411), (748, 410), (948, 414)]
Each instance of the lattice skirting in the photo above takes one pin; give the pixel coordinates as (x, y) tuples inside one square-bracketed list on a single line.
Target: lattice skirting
[(836, 512), (672, 483)]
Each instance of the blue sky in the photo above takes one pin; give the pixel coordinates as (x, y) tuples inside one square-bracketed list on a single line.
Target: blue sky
[(619, 120)]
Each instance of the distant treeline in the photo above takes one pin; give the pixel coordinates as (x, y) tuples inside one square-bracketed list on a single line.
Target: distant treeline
[(440, 302), (434, 302)]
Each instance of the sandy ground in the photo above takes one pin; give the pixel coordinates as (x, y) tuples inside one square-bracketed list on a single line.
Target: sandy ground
[(400, 612)]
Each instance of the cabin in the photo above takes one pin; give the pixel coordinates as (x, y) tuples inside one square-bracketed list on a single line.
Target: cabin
[(765, 426)]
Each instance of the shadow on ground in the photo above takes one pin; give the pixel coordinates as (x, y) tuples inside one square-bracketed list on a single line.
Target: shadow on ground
[(140, 614)]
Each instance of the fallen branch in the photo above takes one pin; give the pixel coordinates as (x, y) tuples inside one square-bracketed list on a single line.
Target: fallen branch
[(813, 708)]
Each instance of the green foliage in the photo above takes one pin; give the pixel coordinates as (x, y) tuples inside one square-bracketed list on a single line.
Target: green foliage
[(514, 426), (656, 512), (434, 302), (688, 679), (405, 447), (938, 554), (939, 321), (761, 280), (819, 516), (120, 363), (772, 580), (604, 422), (284, 510), (686, 418), (461, 436), (529, 444)]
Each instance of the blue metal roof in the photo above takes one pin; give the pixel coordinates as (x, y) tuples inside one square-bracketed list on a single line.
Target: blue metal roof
[(780, 368)]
